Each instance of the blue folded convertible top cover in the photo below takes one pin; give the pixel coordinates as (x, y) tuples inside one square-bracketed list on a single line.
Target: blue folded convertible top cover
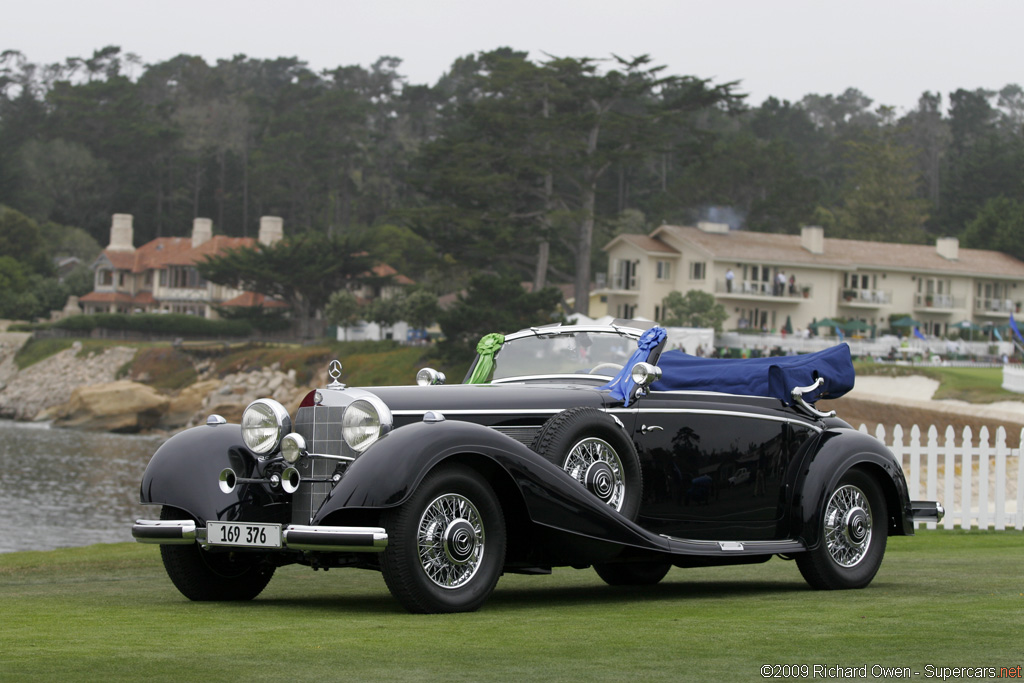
[(775, 376)]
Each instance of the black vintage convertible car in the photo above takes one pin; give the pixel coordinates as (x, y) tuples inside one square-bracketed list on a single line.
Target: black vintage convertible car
[(567, 446)]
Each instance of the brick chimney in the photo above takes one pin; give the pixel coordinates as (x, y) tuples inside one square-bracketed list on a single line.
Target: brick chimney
[(948, 248), (812, 238), (202, 231), (271, 229), (122, 235)]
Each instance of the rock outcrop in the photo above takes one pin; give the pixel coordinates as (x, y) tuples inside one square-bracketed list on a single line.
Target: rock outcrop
[(34, 392), (231, 394), (122, 406), (83, 391)]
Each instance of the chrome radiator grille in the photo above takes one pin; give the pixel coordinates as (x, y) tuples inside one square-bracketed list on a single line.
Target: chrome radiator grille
[(320, 426)]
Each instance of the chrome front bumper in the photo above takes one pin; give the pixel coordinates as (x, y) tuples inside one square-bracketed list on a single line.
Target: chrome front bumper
[(340, 539)]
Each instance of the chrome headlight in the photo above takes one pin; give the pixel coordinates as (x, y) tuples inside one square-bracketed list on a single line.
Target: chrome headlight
[(264, 422), (363, 423), (293, 447)]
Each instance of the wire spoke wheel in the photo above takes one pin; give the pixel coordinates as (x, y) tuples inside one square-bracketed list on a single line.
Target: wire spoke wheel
[(594, 448), (596, 465), (450, 540), (446, 543), (853, 535), (848, 526)]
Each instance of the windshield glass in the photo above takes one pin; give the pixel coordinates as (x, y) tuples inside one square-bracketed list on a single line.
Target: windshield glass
[(597, 353)]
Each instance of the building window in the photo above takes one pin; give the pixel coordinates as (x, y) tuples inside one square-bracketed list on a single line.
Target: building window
[(664, 270), (105, 277), (697, 270), (625, 275), (181, 277)]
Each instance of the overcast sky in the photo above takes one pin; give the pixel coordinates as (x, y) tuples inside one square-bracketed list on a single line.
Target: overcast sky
[(892, 50)]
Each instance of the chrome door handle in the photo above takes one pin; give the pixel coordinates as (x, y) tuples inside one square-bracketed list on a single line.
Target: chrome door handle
[(653, 428)]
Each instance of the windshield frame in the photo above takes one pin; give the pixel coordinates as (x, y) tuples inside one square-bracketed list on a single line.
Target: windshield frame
[(630, 333)]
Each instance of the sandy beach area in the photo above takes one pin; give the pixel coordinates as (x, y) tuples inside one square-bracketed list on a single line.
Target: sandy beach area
[(917, 391)]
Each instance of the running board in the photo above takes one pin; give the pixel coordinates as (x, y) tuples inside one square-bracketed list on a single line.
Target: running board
[(689, 546)]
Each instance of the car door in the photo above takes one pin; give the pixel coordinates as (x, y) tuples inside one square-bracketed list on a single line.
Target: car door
[(716, 467)]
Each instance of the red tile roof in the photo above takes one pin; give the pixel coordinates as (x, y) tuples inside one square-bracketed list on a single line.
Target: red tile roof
[(250, 299), (173, 251)]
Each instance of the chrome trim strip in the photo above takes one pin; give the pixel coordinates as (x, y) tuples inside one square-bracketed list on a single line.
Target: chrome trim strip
[(484, 411), (558, 329), (625, 411), (709, 411), (733, 545), (572, 378)]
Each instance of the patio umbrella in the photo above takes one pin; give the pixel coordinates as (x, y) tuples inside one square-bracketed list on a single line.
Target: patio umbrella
[(788, 327), (905, 321), (966, 325), (855, 326), (826, 321)]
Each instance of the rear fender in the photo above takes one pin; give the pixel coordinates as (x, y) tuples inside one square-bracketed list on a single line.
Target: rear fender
[(840, 450), (388, 473)]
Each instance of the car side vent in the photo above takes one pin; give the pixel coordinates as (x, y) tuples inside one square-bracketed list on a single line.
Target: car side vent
[(523, 435)]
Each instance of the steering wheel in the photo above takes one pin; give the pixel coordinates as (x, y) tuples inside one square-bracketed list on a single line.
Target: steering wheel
[(602, 368)]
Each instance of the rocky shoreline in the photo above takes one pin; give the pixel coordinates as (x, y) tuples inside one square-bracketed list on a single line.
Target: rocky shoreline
[(84, 392)]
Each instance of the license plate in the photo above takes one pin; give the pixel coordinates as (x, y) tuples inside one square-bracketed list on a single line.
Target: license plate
[(244, 534)]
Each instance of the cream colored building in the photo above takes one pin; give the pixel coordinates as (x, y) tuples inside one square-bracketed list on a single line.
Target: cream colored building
[(939, 285)]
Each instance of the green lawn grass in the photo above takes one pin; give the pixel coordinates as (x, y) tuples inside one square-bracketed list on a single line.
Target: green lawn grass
[(109, 613)]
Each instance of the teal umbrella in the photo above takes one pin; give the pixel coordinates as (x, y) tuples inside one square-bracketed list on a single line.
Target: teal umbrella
[(788, 327), (905, 321), (966, 325), (855, 326)]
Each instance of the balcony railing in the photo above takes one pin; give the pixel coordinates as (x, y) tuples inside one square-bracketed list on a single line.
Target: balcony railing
[(625, 283), (756, 288), (866, 297), (1003, 306), (942, 302)]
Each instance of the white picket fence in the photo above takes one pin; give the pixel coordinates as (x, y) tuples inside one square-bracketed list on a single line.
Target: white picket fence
[(977, 483)]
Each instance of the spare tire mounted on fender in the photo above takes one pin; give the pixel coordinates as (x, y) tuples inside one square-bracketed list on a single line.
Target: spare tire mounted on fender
[(596, 451)]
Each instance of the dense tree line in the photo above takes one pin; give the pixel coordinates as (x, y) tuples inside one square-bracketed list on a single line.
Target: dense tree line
[(505, 165)]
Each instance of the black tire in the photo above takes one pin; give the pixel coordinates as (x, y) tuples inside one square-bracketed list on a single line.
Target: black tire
[(854, 530), (592, 447), (635, 574), (204, 576), (446, 544)]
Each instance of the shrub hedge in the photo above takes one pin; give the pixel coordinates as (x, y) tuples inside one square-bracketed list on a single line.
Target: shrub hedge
[(166, 324)]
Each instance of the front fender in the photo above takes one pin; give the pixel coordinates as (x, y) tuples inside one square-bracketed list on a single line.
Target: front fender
[(839, 450), (184, 472), (388, 473)]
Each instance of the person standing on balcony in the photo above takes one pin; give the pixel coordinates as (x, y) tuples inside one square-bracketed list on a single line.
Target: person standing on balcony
[(729, 275)]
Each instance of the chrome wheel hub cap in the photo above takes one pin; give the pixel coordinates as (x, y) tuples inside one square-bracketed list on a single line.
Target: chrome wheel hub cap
[(848, 526), (595, 464), (450, 540), (601, 481)]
